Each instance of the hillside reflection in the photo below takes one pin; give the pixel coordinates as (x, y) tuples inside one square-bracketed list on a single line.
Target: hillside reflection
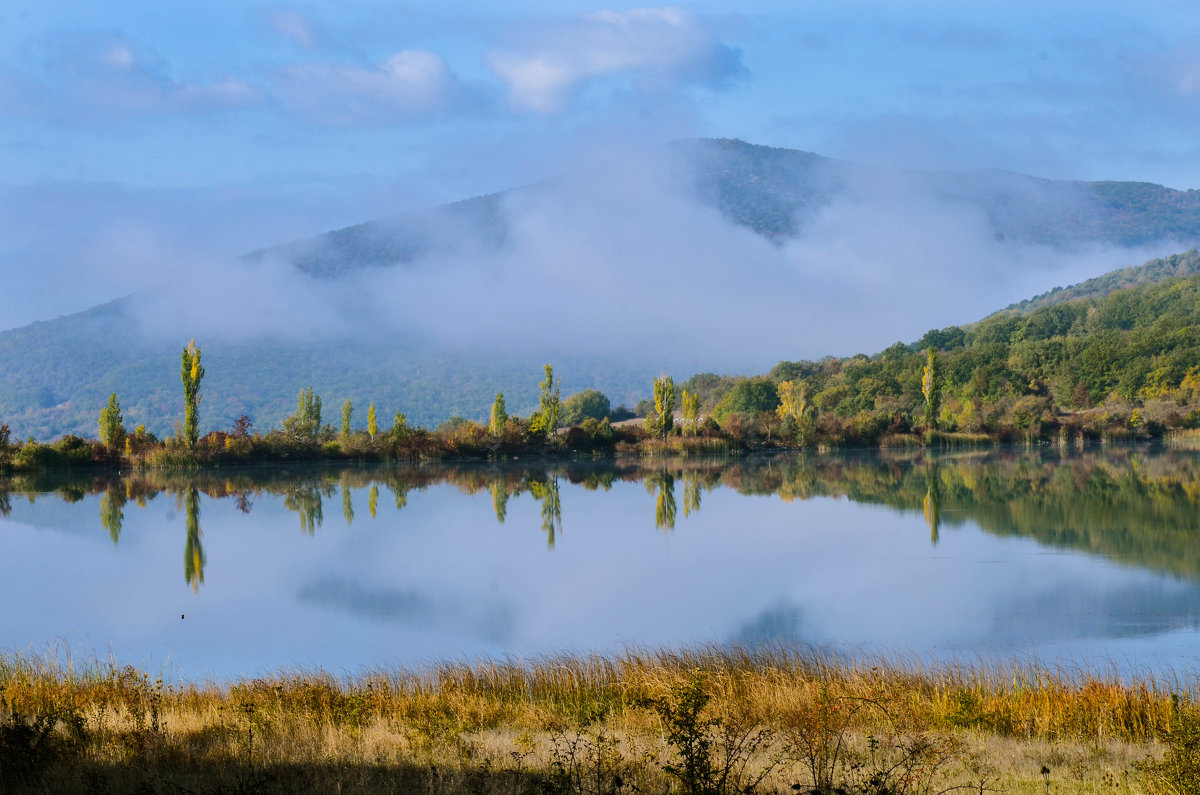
[(1129, 504)]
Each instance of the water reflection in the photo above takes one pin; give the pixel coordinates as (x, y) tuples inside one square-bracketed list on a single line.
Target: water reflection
[(902, 551), (1133, 505)]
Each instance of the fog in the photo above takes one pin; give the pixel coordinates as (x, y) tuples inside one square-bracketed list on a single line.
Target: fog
[(618, 258)]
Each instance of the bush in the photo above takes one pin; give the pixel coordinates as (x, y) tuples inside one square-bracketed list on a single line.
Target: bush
[(1179, 769)]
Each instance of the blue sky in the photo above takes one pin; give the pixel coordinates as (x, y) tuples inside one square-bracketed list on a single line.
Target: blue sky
[(222, 126)]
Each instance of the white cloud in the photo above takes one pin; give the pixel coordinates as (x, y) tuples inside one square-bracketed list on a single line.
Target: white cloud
[(659, 47), (408, 83)]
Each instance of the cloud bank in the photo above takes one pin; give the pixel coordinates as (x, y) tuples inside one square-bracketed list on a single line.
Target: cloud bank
[(656, 47), (620, 260)]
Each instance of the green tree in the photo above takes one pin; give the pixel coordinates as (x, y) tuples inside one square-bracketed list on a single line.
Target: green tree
[(372, 422), (588, 404), (664, 407), (931, 388), (191, 372), (795, 408), (755, 395), (399, 428), (112, 427), (691, 411), (549, 407), (499, 416), (347, 413), (305, 424)]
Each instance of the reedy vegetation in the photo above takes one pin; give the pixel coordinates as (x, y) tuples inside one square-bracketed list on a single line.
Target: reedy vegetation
[(709, 720)]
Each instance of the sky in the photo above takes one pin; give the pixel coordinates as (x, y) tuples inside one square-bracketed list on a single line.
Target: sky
[(140, 142)]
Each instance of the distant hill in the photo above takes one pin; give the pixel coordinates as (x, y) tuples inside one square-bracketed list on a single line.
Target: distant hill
[(1152, 272), (55, 375), (775, 192)]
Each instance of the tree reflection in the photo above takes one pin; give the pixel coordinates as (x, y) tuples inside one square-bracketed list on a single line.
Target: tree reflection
[(691, 493), (499, 500), (1128, 503), (933, 502), (193, 550), (546, 492), (347, 506), (662, 484), (112, 514), (305, 500)]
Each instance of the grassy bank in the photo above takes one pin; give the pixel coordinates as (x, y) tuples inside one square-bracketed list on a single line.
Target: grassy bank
[(711, 721)]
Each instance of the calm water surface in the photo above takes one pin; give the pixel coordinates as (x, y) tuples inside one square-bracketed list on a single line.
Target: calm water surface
[(1089, 557)]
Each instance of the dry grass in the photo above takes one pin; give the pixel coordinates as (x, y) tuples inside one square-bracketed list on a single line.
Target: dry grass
[(502, 727)]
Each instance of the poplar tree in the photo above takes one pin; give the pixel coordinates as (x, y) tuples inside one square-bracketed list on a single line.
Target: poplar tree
[(191, 372), (930, 388), (399, 428), (112, 428), (372, 423), (347, 413), (664, 405), (549, 405), (499, 416)]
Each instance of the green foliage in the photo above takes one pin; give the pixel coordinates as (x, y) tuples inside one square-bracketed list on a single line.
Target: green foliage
[(191, 373), (662, 420), (590, 403), (305, 424), (499, 416), (1178, 771), (347, 413), (545, 422), (399, 428), (691, 412), (748, 396), (713, 755), (112, 427), (931, 389)]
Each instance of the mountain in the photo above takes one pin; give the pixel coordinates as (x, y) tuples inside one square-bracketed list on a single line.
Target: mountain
[(55, 375), (776, 192)]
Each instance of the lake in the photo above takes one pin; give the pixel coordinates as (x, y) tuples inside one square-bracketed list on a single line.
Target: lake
[(1084, 557)]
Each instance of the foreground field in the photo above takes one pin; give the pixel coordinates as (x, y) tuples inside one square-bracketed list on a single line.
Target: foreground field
[(698, 721)]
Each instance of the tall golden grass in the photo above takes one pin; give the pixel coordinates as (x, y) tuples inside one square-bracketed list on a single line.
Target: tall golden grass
[(457, 714)]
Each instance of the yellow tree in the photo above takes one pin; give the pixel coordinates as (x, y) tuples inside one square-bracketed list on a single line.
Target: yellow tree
[(664, 407), (372, 422), (499, 416), (191, 372), (794, 405)]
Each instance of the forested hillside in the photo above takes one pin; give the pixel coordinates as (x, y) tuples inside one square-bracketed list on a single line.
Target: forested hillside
[(1126, 361)]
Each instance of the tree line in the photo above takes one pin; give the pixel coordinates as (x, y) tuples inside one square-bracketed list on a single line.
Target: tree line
[(1122, 366)]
